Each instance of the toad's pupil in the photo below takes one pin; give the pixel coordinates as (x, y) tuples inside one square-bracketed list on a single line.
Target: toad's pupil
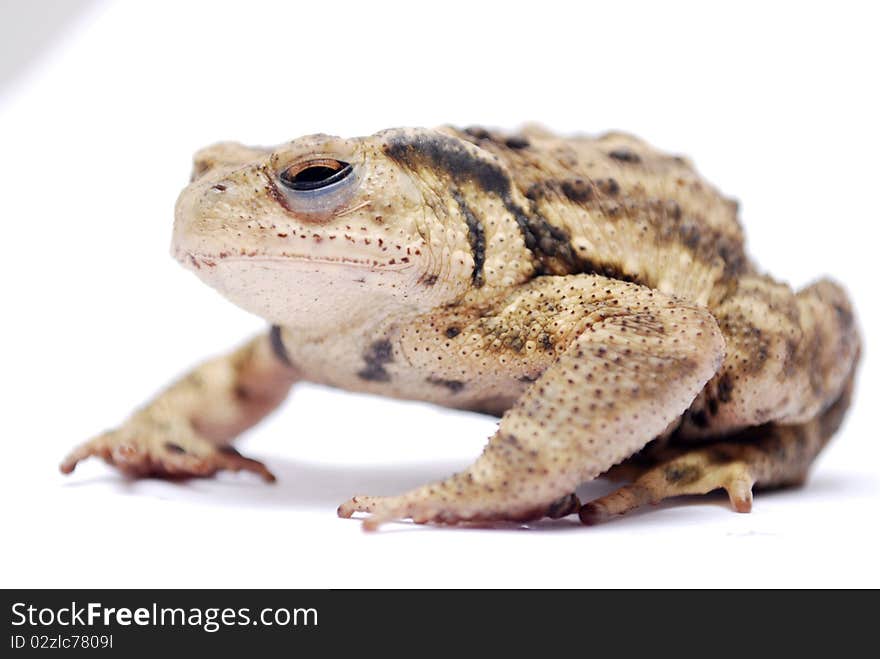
[(316, 176)]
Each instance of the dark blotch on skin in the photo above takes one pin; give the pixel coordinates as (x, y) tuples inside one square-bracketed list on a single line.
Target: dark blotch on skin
[(712, 406), (682, 474), (453, 385), (428, 280), (477, 131), (516, 142), (577, 190), (278, 348), (452, 332), (719, 456), (476, 238), (699, 418), (609, 186), (724, 388), (706, 243), (375, 358), (625, 155), (536, 191), (553, 250), (546, 241), (690, 235), (174, 448), (732, 255), (790, 362), (447, 154), (611, 271)]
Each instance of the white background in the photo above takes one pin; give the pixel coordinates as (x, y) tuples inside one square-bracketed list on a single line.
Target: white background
[(776, 103)]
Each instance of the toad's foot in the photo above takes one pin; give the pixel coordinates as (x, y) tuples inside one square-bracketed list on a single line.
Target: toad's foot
[(697, 472), (186, 429), (766, 456), (147, 446), (386, 509)]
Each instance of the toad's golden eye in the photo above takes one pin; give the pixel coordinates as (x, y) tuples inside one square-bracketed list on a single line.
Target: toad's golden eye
[(315, 175)]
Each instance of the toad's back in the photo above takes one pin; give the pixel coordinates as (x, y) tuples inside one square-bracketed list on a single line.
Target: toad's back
[(616, 206)]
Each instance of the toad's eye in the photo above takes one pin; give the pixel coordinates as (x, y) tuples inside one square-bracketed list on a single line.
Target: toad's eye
[(315, 175), (319, 187)]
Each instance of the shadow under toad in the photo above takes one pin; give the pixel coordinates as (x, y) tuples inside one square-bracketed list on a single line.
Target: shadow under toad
[(321, 487)]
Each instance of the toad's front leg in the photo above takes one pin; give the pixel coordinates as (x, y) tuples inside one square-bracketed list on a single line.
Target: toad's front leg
[(186, 429), (635, 366)]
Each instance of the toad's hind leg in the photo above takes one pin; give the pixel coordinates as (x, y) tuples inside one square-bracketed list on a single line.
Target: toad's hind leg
[(766, 456)]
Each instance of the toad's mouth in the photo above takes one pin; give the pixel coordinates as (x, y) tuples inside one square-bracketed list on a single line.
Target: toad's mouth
[(199, 260)]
